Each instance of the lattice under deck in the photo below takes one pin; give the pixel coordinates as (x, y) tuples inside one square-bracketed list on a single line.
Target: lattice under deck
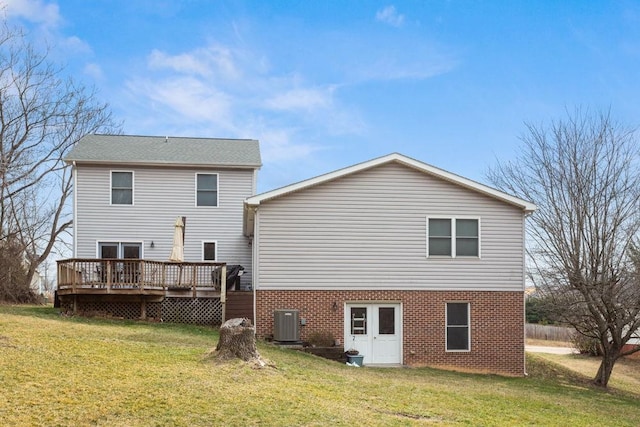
[(196, 311)]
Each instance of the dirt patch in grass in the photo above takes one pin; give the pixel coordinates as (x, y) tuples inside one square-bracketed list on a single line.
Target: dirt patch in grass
[(547, 343), (5, 342)]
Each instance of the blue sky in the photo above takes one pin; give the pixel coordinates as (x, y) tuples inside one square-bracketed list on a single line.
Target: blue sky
[(326, 84)]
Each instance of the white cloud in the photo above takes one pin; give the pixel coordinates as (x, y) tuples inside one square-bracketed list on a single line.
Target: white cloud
[(394, 68), (304, 99), (221, 91), (278, 145), (186, 100), (36, 11), (389, 15), (94, 71), (204, 62), (74, 45)]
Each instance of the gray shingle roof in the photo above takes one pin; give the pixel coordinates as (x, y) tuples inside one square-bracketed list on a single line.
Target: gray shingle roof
[(159, 150)]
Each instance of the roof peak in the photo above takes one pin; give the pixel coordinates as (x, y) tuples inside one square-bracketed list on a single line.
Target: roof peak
[(405, 160)]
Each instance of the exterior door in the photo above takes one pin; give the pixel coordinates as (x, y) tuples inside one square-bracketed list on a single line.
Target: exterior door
[(375, 331), (113, 250), (120, 271)]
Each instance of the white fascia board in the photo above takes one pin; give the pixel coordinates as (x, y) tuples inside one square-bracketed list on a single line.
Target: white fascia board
[(423, 167)]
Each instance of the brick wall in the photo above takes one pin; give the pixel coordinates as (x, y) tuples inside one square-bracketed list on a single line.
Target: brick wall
[(497, 324)]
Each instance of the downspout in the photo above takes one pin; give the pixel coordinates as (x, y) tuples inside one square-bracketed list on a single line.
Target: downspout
[(75, 209), (524, 287), (256, 264)]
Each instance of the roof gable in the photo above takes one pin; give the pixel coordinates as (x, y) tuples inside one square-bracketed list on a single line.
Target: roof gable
[(407, 161), (160, 150)]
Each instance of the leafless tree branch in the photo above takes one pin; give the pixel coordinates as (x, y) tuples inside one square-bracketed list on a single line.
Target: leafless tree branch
[(42, 115), (583, 172)]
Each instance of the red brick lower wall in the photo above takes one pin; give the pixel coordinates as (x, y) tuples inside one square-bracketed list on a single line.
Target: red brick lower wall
[(497, 324), (628, 347)]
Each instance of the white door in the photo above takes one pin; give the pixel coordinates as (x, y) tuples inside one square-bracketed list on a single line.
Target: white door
[(375, 331)]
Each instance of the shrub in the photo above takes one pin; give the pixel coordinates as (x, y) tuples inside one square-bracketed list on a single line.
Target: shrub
[(586, 345), (321, 339), (14, 287), (537, 311)]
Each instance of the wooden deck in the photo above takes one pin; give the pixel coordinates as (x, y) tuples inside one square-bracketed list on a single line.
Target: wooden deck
[(186, 292), (79, 276)]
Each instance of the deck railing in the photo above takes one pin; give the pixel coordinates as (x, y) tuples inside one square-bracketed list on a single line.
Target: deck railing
[(80, 275)]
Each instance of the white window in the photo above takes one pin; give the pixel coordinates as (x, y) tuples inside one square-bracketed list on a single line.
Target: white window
[(358, 320), (209, 251), (114, 250), (121, 188), (206, 189), (453, 237), (458, 337)]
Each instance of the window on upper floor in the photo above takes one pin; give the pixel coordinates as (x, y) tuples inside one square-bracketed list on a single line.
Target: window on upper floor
[(206, 189), (458, 337), (453, 237), (121, 188), (209, 251)]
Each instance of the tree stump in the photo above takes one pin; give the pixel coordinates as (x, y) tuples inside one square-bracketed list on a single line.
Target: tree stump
[(237, 340)]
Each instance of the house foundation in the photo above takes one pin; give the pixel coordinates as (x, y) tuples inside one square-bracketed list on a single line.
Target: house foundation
[(496, 324)]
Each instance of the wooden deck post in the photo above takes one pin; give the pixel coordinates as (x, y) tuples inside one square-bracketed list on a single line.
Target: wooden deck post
[(141, 269), (194, 269), (143, 309), (223, 291), (108, 276)]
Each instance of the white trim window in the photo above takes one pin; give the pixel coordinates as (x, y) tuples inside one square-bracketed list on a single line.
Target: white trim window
[(458, 330), (121, 188), (210, 251), (119, 250), (206, 189), (453, 237)]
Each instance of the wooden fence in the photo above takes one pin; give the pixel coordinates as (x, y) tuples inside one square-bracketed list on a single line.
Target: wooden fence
[(548, 332)]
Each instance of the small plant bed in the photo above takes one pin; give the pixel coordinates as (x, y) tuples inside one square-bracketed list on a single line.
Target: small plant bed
[(322, 344), (331, 353)]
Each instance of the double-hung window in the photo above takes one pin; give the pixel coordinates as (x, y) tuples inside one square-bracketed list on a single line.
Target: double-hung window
[(458, 337), (453, 237), (121, 188), (206, 189)]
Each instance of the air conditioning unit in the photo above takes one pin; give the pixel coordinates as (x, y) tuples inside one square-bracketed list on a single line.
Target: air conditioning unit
[(286, 325)]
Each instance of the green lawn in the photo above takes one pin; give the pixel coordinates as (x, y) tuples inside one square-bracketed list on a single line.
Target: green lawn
[(70, 371)]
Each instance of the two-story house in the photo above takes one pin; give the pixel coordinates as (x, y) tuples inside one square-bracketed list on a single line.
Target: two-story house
[(405, 262), (130, 190)]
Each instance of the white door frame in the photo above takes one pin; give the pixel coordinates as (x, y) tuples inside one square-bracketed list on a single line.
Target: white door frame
[(368, 342)]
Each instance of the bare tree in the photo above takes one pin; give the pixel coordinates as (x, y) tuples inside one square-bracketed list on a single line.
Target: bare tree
[(583, 172), (42, 115)]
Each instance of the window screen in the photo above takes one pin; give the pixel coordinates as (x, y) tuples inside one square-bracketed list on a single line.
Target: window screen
[(121, 188), (207, 189), (457, 326)]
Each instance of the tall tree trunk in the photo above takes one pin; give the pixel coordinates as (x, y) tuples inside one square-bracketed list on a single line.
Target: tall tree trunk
[(606, 367)]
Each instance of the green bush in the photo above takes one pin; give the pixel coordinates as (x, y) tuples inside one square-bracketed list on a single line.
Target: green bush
[(537, 312)]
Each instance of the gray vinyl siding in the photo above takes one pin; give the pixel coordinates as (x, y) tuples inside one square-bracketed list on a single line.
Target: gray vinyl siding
[(160, 196), (367, 230)]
